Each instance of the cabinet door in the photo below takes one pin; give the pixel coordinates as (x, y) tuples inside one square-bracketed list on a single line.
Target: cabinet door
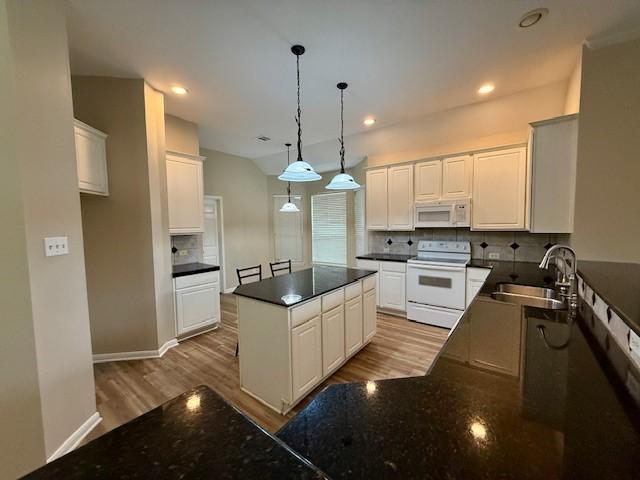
[(392, 290), (197, 307), (428, 180), (456, 177), (376, 199), (184, 191), (458, 344), (499, 190), (332, 339), (495, 336), (306, 356), (400, 202), (371, 265), (473, 287), (353, 325), (369, 315), (91, 158)]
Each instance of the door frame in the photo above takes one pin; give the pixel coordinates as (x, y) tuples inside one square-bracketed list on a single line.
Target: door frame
[(220, 216)]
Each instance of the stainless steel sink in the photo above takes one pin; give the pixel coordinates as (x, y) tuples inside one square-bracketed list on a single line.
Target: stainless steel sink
[(531, 296)]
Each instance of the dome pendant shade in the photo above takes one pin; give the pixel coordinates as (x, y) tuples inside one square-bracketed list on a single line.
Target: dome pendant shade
[(342, 181), (299, 171), (289, 207)]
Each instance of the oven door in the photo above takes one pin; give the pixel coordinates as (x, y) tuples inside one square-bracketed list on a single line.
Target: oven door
[(442, 286), (430, 216)]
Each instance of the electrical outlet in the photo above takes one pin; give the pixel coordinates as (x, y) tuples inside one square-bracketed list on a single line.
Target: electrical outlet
[(183, 253), (494, 256), (54, 246), (385, 249)]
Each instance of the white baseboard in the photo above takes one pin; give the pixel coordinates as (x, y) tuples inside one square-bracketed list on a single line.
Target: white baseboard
[(76, 437), (139, 355)]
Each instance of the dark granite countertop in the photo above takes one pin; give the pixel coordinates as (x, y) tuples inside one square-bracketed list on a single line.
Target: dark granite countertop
[(501, 401), (305, 284), (618, 284), (386, 257), (195, 435), (193, 268)]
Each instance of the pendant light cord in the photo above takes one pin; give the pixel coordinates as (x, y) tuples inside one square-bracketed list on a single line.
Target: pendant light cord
[(341, 130), (288, 183), (298, 120)]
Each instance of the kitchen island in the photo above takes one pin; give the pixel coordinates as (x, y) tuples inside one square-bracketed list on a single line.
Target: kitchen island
[(295, 330)]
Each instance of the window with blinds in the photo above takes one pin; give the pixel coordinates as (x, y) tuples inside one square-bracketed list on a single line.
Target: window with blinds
[(329, 228), (360, 228), (287, 230)]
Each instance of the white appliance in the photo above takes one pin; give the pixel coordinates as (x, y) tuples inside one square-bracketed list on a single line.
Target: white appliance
[(436, 282), (443, 213)]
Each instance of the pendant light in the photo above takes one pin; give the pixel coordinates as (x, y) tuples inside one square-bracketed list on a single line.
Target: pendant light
[(342, 181), (289, 206), (299, 171)]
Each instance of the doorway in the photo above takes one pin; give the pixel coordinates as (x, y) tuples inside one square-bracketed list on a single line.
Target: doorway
[(213, 235)]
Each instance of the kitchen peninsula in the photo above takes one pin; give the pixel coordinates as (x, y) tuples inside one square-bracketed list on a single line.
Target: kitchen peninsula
[(295, 330)]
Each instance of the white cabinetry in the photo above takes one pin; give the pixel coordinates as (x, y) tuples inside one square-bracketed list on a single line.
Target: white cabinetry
[(91, 158), (393, 285), (375, 266), (500, 190), (456, 177), (332, 340), (369, 314), (353, 325), (389, 193), (376, 199), (197, 301), (428, 185), (185, 193), (306, 356), (475, 279), (553, 148)]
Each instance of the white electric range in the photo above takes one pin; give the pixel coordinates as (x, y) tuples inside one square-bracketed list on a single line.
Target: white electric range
[(436, 282)]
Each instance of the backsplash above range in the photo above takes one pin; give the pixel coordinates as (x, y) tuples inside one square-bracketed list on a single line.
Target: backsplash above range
[(518, 246), (186, 249)]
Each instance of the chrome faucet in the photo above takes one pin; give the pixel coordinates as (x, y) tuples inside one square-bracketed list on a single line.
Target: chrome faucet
[(565, 282)]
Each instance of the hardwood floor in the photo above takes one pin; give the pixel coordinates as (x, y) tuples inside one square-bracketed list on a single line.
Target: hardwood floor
[(125, 390)]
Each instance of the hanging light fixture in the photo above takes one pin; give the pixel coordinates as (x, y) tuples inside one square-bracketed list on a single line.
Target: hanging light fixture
[(299, 171), (289, 206), (342, 181)]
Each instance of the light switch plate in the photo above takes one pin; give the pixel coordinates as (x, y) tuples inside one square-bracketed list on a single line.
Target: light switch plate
[(54, 246)]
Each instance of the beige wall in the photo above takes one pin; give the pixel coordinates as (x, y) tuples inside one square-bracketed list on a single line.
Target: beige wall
[(118, 229), (572, 102), (45, 151), (607, 218), (243, 188), (182, 135), (499, 121), (22, 434)]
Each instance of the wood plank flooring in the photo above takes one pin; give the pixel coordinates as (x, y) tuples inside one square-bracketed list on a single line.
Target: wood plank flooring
[(125, 390)]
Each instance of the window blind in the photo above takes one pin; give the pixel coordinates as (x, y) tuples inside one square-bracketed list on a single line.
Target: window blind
[(361, 231), (329, 228)]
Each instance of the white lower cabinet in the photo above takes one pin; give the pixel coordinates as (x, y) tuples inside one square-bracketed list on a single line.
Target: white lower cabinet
[(306, 356), (393, 285), (353, 325), (197, 301), (371, 265), (332, 340), (369, 315)]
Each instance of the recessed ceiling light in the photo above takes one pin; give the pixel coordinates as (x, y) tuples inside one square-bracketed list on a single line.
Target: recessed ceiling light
[(369, 121), (178, 90), (486, 88), (529, 19)]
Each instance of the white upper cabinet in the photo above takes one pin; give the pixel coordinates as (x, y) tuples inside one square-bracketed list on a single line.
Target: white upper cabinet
[(456, 177), (500, 190), (428, 181), (185, 193), (553, 146), (376, 199), (400, 197), (91, 158)]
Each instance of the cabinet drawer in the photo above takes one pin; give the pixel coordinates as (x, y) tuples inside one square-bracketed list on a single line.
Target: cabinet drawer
[(393, 267), (332, 300), (304, 312), (352, 291), (196, 279), (369, 283)]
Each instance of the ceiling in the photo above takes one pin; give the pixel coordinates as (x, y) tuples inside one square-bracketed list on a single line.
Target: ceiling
[(403, 59)]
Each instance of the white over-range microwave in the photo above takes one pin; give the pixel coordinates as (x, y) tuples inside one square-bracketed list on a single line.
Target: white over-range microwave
[(443, 213)]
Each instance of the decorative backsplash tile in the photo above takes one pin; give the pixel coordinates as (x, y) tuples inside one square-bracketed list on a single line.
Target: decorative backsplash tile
[(519, 246), (186, 249)]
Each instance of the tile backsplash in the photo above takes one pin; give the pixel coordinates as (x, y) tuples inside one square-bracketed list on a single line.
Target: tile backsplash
[(518, 246), (186, 249)]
